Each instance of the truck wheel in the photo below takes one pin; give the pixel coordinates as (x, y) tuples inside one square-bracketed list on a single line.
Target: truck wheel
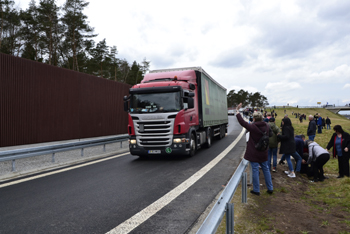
[(192, 146), (223, 131), (209, 138)]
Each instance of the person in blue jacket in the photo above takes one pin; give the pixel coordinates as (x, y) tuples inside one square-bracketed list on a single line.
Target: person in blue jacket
[(319, 124)]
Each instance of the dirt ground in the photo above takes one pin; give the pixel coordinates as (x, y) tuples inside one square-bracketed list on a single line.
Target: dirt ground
[(289, 209)]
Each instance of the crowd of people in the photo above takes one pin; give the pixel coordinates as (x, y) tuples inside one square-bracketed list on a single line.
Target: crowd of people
[(309, 156)]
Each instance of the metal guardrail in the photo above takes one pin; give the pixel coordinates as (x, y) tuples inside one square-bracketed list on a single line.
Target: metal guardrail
[(52, 149), (213, 220)]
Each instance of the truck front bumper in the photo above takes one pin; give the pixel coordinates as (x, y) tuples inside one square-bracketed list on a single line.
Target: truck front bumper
[(174, 149)]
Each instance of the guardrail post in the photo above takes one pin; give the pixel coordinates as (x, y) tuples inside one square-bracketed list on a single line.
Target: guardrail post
[(82, 152), (244, 187), (121, 144), (53, 157), (250, 173), (13, 165), (229, 218), (104, 148)]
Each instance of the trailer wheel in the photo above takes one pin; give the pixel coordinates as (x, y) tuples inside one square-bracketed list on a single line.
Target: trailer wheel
[(192, 146), (222, 132), (209, 138)]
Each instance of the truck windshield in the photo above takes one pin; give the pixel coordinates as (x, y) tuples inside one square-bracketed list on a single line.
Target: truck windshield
[(155, 102)]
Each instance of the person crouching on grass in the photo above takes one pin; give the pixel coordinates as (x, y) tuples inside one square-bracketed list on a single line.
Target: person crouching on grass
[(254, 156), (318, 157)]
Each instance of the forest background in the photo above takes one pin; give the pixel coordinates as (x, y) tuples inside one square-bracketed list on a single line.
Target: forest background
[(61, 36)]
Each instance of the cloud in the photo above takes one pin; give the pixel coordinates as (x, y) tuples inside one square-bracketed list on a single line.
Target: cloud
[(232, 58), (346, 86), (250, 89), (339, 74), (282, 86), (335, 11)]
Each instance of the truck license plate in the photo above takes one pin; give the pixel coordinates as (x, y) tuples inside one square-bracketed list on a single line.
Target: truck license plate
[(154, 151)]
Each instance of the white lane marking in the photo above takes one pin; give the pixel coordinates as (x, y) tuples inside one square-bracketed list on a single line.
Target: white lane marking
[(59, 171), (136, 220)]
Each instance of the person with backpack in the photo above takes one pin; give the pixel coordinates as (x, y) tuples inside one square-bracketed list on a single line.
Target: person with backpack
[(273, 143), (256, 151), (288, 147)]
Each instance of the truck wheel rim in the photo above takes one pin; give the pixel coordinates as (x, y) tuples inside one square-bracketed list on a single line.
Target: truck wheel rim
[(193, 147)]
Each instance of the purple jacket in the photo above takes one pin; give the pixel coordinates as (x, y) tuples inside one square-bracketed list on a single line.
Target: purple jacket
[(252, 154)]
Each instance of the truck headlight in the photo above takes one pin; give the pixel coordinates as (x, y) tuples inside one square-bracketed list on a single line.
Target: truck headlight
[(133, 141), (179, 140)]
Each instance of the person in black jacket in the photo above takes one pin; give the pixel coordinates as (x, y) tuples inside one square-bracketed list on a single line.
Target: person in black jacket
[(311, 129), (328, 122), (340, 142), (288, 147)]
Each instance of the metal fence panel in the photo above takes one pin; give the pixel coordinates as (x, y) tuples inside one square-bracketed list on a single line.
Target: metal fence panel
[(43, 103)]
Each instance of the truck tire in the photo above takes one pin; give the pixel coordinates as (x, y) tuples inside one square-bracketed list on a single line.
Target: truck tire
[(222, 132), (209, 138), (192, 146)]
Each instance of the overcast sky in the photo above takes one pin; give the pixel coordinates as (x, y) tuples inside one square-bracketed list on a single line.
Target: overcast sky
[(292, 52)]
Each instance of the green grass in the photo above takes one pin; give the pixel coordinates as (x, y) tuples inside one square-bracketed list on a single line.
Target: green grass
[(332, 192)]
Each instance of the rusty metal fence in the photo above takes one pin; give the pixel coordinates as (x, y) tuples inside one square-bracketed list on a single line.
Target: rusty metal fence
[(43, 103)]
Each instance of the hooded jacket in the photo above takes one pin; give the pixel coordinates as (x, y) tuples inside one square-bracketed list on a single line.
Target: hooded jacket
[(251, 153)]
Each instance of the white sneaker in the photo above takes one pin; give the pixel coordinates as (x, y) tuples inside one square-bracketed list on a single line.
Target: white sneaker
[(292, 175), (287, 172)]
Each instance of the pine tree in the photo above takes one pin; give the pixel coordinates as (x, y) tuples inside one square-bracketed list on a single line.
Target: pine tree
[(10, 28), (77, 28), (48, 19)]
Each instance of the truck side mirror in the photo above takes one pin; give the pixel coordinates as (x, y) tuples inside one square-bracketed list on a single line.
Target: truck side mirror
[(190, 103), (126, 106)]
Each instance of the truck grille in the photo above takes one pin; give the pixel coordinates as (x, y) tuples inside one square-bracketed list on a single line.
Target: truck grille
[(154, 133)]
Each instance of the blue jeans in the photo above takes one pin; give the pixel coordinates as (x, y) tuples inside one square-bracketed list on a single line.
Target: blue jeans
[(297, 159), (312, 137), (328, 126), (272, 152), (267, 175)]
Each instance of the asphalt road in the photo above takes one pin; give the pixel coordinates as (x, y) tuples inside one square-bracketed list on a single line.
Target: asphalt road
[(98, 197)]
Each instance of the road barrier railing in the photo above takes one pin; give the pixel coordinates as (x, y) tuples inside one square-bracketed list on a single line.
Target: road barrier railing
[(223, 205), (12, 155)]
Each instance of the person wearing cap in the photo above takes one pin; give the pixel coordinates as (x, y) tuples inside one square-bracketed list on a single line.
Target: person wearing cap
[(273, 143)]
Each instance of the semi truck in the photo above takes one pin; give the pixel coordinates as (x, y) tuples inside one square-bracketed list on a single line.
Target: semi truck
[(175, 112)]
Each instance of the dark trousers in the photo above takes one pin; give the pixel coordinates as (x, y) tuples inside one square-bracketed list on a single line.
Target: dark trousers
[(318, 166), (319, 129), (343, 163)]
